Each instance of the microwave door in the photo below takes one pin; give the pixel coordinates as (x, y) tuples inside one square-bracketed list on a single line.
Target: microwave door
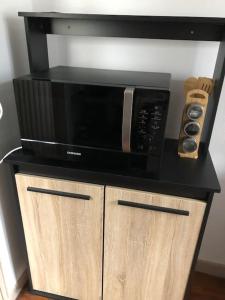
[(89, 116), (127, 118)]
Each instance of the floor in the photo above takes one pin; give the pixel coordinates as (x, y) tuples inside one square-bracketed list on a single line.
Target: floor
[(204, 287)]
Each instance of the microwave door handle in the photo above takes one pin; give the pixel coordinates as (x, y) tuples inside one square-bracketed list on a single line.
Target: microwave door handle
[(127, 118)]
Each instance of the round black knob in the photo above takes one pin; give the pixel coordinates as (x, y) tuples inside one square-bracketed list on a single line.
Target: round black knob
[(195, 111), (191, 128), (189, 145)]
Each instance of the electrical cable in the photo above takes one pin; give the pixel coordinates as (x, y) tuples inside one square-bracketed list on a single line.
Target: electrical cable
[(13, 150)]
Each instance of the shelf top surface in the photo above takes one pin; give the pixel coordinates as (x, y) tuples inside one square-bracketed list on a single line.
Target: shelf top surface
[(177, 173), (185, 19), (104, 77), (126, 26)]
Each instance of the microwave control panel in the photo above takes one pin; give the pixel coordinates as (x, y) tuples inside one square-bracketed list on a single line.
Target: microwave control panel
[(150, 114)]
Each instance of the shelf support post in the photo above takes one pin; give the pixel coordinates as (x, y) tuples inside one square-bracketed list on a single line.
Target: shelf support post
[(37, 43), (218, 77)]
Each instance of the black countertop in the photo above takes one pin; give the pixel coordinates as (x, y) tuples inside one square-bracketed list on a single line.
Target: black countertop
[(182, 177)]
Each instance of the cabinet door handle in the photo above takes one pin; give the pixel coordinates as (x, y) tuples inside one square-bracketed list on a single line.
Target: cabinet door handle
[(58, 193), (155, 208)]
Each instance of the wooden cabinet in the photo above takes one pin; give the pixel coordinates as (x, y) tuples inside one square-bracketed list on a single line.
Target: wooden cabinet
[(150, 241), (63, 224)]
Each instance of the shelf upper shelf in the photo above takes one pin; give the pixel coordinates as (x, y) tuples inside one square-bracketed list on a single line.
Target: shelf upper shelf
[(151, 27), (123, 17)]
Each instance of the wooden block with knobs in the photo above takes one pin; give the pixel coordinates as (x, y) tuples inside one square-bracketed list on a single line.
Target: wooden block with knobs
[(192, 123), (197, 92)]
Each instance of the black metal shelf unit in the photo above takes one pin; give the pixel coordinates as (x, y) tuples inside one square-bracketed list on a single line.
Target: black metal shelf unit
[(195, 179), (38, 25)]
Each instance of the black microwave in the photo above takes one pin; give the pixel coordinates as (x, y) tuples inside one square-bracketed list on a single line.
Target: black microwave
[(103, 117)]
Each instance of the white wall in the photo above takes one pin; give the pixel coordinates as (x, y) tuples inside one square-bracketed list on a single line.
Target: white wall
[(13, 61), (180, 58)]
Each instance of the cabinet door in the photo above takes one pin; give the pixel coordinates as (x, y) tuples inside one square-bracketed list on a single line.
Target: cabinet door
[(63, 224), (150, 241)]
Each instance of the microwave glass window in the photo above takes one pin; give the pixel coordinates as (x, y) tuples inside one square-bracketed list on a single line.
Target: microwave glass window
[(90, 116)]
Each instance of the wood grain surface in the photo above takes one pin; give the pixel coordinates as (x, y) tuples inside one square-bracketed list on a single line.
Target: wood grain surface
[(63, 236), (148, 254)]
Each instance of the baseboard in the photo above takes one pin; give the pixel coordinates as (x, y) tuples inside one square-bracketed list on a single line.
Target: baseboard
[(210, 268), (21, 282), (3, 290)]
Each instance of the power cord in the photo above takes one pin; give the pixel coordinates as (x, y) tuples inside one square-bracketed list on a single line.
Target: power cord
[(13, 150)]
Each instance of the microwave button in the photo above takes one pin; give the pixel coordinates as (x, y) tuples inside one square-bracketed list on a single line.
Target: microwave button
[(142, 117), (150, 139), (156, 118), (140, 147), (157, 113), (153, 149), (155, 126), (142, 122), (143, 111), (142, 132)]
